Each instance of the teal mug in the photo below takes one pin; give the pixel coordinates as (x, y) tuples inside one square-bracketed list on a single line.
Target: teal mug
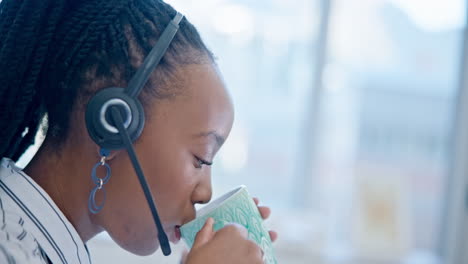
[(236, 206)]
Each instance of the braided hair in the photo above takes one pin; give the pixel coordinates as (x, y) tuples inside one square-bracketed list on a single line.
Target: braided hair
[(54, 53)]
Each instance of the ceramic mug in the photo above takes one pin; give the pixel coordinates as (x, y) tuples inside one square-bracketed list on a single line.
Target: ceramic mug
[(236, 206)]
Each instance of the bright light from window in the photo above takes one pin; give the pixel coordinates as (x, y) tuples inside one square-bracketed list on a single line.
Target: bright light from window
[(435, 15), (234, 20), (234, 154)]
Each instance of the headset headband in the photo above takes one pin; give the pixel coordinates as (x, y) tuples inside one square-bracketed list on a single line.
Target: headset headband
[(154, 57)]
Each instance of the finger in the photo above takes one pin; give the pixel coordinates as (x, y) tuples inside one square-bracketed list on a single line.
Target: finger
[(265, 212), (205, 234), (256, 200), (273, 235), (254, 250), (235, 227)]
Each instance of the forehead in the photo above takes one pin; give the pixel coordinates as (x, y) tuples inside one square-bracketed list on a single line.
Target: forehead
[(202, 102)]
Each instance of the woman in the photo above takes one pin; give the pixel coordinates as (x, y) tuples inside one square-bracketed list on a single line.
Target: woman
[(54, 57)]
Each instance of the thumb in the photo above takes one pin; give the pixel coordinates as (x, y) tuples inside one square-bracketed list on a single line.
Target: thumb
[(205, 234)]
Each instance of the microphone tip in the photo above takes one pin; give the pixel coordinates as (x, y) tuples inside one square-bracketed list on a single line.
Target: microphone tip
[(164, 243)]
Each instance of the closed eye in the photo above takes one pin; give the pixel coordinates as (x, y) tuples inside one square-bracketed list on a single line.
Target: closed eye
[(200, 162)]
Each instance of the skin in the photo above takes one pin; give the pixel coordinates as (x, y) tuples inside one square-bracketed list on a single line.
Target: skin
[(178, 132)]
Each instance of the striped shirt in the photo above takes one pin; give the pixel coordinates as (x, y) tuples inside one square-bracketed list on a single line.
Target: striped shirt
[(32, 228)]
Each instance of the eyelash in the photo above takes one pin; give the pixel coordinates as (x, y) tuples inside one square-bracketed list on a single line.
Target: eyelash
[(201, 162)]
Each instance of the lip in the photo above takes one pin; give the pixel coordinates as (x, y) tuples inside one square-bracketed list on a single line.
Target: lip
[(177, 233), (174, 234)]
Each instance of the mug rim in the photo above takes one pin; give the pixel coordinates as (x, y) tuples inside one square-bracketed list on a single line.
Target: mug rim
[(219, 201)]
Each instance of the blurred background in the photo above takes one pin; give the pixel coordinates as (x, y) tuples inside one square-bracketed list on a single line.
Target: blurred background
[(346, 125)]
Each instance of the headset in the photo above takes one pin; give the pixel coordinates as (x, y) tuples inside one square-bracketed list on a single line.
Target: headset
[(115, 117)]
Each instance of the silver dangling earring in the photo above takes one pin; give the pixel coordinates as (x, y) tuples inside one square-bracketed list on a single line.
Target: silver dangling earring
[(100, 182)]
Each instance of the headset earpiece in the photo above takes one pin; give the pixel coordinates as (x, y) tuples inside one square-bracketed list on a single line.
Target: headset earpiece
[(101, 126)]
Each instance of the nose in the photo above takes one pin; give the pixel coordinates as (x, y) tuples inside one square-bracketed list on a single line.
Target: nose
[(203, 190)]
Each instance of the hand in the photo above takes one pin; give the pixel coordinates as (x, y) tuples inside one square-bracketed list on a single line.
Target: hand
[(265, 212), (229, 245)]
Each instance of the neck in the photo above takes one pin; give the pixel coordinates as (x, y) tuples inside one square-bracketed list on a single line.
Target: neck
[(65, 180)]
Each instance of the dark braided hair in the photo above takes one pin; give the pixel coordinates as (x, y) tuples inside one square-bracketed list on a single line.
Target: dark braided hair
[(54, 54)]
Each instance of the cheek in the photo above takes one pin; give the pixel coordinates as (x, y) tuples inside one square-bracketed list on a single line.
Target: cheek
[(168, 168), (126, 216), (170, 173)]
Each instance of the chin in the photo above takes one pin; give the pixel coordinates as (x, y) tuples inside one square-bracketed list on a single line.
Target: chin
[(144, 250)]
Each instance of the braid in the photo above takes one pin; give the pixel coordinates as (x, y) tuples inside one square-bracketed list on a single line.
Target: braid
[(19, 71), (7, 12), (17, 147), (35, 111), (90, 39), (141, 32), (54, 52), (75, 24)]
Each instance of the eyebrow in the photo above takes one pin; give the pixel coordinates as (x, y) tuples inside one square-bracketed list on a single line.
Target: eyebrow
[(218, 138)]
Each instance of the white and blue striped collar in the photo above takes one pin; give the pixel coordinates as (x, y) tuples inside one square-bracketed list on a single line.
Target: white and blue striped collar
[(52, 230)]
